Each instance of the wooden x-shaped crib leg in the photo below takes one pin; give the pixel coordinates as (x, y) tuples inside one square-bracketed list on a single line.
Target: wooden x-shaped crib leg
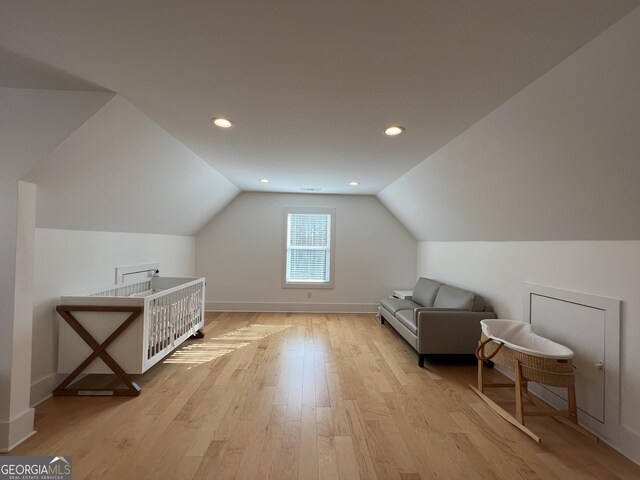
[(99, 350)]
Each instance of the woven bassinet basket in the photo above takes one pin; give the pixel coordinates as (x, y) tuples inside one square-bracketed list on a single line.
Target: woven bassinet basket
[(548, 371)]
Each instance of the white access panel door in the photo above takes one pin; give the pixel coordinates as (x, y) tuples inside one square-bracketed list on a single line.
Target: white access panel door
[(136, 273), (582, 329)]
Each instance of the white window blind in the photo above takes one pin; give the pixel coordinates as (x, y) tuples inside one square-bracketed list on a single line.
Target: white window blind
[(308, 248)]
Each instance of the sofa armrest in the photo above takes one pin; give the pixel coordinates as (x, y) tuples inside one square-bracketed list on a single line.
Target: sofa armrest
[(449, 331)]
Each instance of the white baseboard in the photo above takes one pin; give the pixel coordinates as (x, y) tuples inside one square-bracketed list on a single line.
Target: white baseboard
[(16, 431), (292, 307), (41, 389), (630, 444)]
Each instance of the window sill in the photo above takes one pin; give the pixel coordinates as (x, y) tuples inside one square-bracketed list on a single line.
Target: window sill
[(308, 286)]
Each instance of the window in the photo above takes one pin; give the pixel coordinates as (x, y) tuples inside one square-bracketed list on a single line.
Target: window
[(309, 247)]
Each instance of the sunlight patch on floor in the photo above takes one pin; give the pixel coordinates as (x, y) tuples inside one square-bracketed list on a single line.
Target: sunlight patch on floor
[(213, 348)]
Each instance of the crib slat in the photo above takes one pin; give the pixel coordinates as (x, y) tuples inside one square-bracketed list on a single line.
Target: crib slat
[(172, 318)]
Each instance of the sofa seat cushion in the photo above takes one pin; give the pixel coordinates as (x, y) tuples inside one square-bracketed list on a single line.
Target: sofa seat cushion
[(425, 291), (452, 297), (406, 318), (394, 304)]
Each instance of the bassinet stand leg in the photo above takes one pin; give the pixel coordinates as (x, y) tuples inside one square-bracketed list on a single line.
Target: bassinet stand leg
[(504, 414), (99, 350), (573, 415), (494, 406), (518, 385)]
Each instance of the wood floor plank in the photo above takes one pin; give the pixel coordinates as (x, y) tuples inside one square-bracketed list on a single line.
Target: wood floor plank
[(348, 466), (520, 445), (271, 450), (309, 380), (327, 458), (308, 444), (504, 462), (289, 459), (294, 401), (321, 382), (341, 425), (361, 447), (210, 461), (566, 473)]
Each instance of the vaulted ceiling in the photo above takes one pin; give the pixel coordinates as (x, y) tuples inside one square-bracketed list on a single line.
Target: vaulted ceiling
[(557, 161), (120, 172), (310, 85)]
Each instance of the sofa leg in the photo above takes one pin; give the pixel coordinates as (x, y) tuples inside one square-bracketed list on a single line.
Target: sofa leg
[(421, 360), (381, 320)]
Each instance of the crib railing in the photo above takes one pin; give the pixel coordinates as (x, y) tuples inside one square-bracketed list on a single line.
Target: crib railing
[(125, 290), (172, 315)]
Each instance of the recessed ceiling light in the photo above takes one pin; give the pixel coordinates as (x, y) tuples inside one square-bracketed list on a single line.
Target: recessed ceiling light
[(264, 180), (222, 122), (393, 130), (354, 183)]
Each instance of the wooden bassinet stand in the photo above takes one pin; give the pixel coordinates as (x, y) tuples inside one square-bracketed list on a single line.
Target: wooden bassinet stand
[(531, 358)]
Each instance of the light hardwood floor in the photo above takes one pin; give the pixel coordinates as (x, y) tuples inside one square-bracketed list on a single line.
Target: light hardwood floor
[(308, 396)]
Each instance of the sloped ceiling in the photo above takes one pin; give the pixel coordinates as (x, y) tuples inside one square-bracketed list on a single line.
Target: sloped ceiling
[(20, 72), (34, 122), (558, 161), (121, 172), (310, 85)]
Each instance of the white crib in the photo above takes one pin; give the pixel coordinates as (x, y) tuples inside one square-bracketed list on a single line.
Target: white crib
[(161, 313)]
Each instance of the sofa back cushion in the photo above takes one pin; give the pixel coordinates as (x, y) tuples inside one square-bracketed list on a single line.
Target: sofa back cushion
[(452, 297), (425, 291)]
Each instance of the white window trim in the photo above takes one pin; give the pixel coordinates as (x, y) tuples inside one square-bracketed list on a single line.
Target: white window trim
[(332, 257)]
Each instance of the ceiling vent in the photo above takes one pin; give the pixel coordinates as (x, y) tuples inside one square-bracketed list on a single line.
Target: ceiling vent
[(310, 189)]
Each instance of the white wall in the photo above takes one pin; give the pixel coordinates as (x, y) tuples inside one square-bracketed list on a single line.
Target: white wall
[(241, 254), (121, 172), (70, 261), (497, 270), (21, 417)]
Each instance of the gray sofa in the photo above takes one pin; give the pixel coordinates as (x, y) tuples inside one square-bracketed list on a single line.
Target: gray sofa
[(439, 318)]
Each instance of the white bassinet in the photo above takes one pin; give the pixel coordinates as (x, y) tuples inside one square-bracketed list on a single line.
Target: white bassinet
[(519, 336), (514, 345)]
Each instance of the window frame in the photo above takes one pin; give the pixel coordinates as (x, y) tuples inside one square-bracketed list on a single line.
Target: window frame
[(332, 249)]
